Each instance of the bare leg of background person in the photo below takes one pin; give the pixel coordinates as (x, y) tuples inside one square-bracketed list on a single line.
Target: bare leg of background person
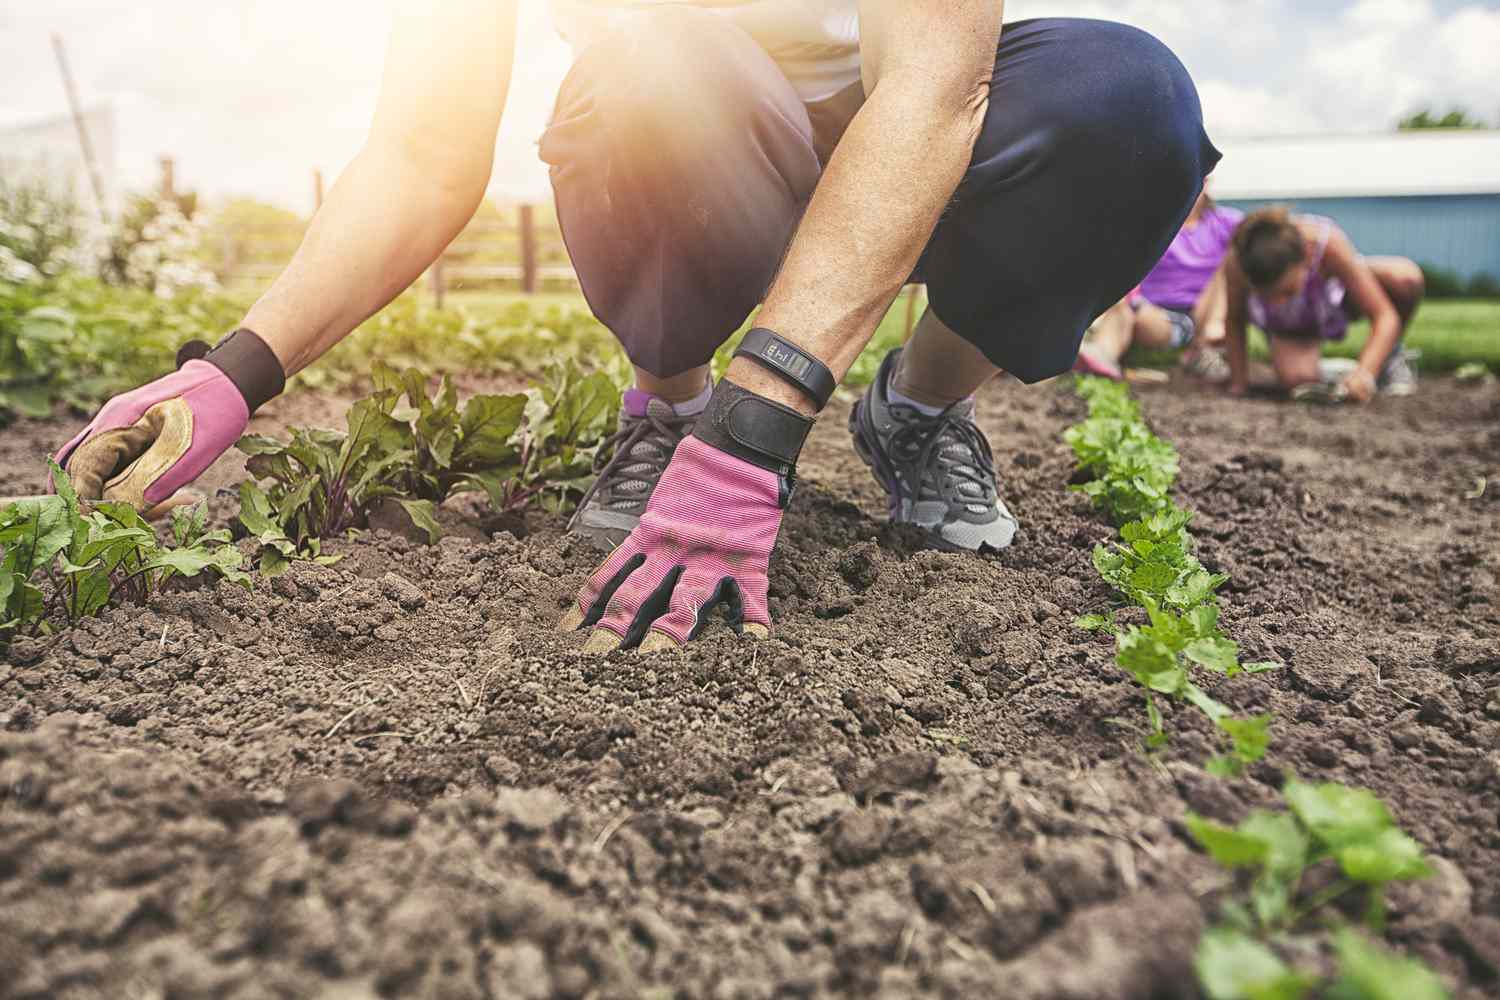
[(1295, 360), (1152, 329), (1403, 282), (1112, 333), (938, 366)]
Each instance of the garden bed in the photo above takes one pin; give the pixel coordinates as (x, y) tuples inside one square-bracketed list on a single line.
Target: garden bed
[(390, 776)]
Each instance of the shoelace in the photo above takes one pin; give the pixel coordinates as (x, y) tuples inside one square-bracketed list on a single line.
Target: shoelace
[(622, 466), (930, 439)]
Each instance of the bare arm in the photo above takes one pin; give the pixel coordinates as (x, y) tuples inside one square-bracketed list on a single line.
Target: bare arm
[(1344, 262), (417, 181), (888, 182), (1236, 307), (1211, 312)]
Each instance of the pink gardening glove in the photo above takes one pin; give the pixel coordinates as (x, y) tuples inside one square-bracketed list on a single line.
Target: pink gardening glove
[(146, 444), (705, 538)]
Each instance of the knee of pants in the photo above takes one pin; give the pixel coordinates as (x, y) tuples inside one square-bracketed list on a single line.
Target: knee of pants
[(1092, 153), (670, 88), (1132, 113)]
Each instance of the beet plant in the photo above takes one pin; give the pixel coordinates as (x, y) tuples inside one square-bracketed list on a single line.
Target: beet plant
[(62, 560), (406, 446)]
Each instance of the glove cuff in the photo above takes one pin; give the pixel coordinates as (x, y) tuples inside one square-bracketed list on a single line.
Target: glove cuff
[(246, 360), (753, 428)]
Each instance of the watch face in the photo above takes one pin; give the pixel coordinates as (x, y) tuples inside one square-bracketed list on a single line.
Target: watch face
[(792, 362)]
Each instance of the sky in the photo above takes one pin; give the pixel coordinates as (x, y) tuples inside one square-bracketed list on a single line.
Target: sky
[(249, 96)]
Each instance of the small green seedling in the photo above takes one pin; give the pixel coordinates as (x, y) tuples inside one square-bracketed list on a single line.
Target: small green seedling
[(1132, 469), (1347, 829)]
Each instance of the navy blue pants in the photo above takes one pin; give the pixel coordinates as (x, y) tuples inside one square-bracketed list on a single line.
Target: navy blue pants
[(682, 158)]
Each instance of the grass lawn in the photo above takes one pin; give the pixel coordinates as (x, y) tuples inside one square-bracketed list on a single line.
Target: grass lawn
[(1449, 333), (492, 307)]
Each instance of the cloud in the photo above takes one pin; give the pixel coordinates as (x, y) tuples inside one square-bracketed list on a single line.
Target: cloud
[(1388, 57), (250, 95)]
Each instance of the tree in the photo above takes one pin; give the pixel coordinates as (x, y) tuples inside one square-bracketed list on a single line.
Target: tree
[(1426, 119)]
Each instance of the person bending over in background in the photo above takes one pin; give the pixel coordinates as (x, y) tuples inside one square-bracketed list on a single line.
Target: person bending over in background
[(807, 156), (1182, 304), (1300, 280)]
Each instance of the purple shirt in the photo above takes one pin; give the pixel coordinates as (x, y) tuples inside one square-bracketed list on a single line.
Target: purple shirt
[(1192, 260)]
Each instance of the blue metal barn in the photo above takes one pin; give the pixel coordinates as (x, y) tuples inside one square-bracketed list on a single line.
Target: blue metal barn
[(1430, 196)]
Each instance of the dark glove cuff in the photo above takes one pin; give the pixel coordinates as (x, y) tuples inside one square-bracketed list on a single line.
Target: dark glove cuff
[(246, 361), (753, 428)]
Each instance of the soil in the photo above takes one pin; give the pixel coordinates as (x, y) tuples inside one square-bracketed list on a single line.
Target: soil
[(391, 777)]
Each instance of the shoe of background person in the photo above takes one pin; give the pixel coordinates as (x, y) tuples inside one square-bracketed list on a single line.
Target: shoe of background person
[(1399, 375), (1207, 363), (1335, 370), (938, 472), (642, 447), (1089, 363), (1330, 393)]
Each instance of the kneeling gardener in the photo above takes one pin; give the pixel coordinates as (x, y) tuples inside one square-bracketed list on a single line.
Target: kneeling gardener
[(808, 156)]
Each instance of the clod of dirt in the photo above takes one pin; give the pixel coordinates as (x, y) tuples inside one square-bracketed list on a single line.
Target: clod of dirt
[(403, 592), (859, 836), (895, 774), (530, 810)]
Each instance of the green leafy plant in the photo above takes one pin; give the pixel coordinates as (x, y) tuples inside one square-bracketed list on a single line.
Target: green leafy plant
[(1132, 469), (1152, 566), (1154, 561), (77, 341), (1161, 657), (520, 448), (1327, 826), (62, 563)]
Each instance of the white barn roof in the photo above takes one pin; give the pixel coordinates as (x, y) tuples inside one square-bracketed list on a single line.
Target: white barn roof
[(1427, 162)]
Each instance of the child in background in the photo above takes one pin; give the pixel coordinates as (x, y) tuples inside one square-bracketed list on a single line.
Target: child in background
[(1181, 304), (1300, 280)]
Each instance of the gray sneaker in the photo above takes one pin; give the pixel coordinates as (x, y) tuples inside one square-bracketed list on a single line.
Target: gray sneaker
[(1399, 376), (639, 452), (938, 471)]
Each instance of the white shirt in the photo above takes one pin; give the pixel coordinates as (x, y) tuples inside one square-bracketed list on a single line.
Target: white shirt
[(815, 42)]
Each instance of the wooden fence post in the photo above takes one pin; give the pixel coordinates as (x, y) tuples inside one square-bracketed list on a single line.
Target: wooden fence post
[(168, 178), (528, 249), (437, 282)]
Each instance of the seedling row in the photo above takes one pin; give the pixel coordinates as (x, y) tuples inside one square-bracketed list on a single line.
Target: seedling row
[(1267, 939)]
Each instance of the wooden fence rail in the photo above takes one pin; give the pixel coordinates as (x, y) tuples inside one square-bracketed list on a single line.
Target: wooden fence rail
[(517, 253)]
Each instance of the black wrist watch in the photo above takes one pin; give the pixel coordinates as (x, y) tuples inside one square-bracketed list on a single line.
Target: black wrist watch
[(784, 358)]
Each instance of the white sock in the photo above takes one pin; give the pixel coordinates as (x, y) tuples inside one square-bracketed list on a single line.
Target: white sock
[(925, 409), (696, 405)]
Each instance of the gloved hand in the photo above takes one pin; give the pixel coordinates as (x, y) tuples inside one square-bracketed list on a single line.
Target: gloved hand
[(146, 444), (706, 536)]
